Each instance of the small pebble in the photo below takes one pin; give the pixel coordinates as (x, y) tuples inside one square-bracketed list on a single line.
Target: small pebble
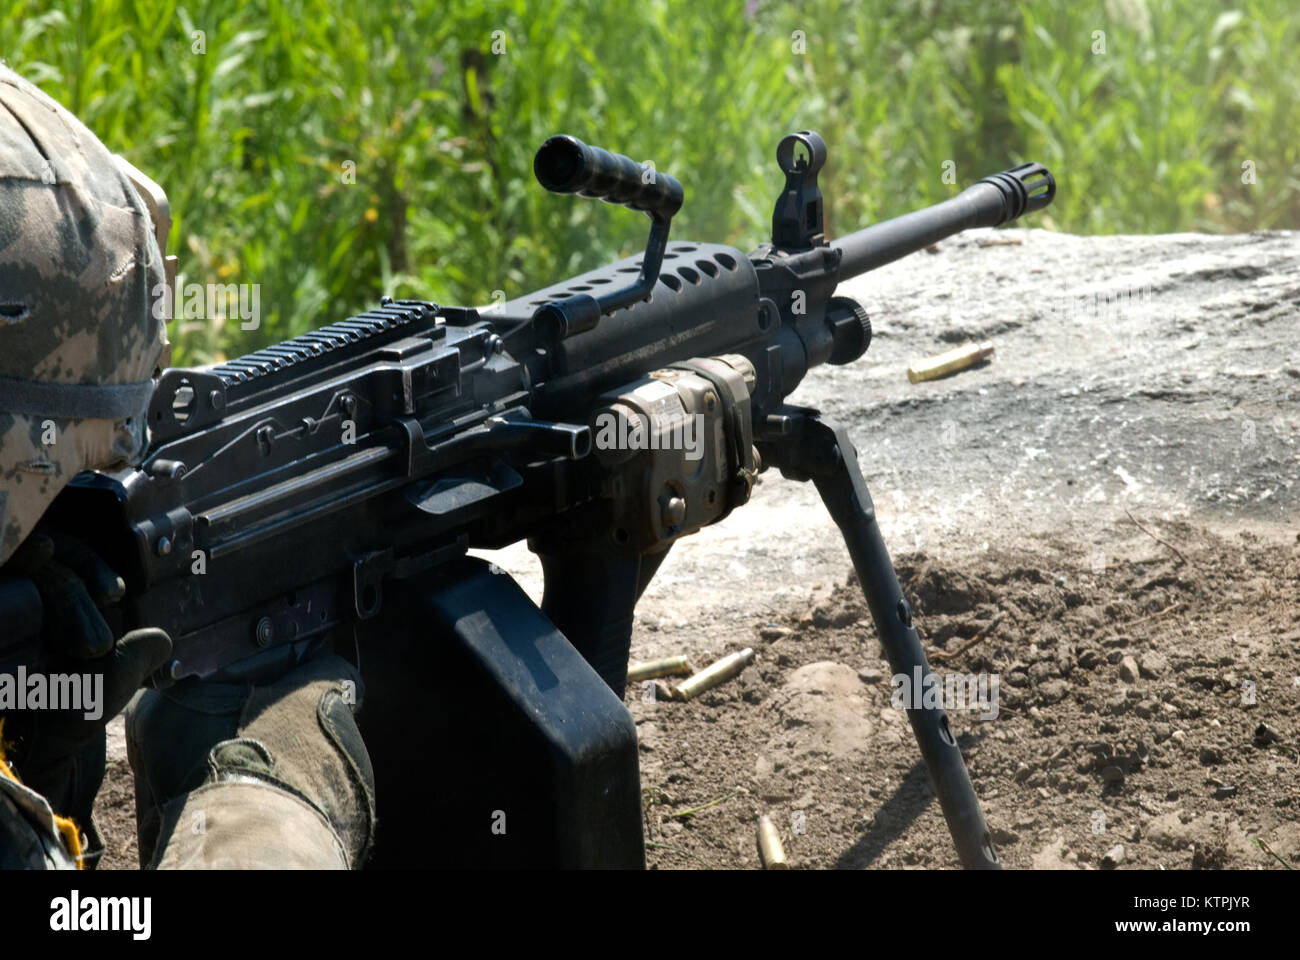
[(1113, 857), (1128, 670)]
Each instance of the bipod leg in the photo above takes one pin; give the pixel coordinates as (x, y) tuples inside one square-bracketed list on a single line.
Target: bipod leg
[(806, 448)]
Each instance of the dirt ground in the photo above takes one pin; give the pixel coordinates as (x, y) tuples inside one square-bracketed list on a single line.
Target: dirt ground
[(1148, 691), (1181, 762)]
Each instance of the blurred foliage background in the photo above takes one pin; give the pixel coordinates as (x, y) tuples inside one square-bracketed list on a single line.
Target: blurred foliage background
[(257, 116)]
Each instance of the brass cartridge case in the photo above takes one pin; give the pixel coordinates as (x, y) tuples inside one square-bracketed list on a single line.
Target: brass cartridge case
[(713, 675), (931, 368), (679, 666), (770, 850)]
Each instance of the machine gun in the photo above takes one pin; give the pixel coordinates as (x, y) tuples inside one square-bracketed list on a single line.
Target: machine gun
[(326, 490)]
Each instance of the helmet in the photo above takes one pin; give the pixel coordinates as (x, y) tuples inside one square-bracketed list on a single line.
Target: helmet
[(82, 316)]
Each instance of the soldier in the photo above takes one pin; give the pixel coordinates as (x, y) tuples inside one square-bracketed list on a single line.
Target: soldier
[(226, 775)]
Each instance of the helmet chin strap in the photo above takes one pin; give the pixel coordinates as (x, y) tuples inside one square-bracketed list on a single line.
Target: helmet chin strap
[(95, 401), (75, 401)]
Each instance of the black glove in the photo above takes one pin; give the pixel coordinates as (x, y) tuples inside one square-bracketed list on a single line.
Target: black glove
[(60, 753), (74, 584)]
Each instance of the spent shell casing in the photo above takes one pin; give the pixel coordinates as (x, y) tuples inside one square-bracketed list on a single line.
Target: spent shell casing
[(653, 669), (931, 368), (714, 674), (769, 845)]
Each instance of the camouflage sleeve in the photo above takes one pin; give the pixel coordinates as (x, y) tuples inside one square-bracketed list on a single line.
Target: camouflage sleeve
[(31, 836)]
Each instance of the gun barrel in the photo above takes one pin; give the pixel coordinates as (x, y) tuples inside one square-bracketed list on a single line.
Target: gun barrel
[(992, 201)]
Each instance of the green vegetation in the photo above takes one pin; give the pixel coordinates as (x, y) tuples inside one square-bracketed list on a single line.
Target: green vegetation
[(254, 137)]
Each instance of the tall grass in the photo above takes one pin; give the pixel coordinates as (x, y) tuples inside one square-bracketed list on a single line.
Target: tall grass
[(255, 137)]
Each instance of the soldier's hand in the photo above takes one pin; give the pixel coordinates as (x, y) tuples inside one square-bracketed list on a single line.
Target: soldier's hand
[(58, 734), (60, 753), (75, 585)]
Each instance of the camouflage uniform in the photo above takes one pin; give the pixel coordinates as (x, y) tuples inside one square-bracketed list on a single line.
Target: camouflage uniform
[(30, 838), (288, 784), (80, 270), (275, 775)]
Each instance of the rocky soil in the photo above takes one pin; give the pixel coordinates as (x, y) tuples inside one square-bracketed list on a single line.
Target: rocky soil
[(1146, 712)]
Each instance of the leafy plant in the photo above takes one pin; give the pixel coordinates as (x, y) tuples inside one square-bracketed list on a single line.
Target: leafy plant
[(331, 151)]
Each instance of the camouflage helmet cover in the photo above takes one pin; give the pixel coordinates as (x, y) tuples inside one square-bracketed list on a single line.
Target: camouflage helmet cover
[(81, 330)]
